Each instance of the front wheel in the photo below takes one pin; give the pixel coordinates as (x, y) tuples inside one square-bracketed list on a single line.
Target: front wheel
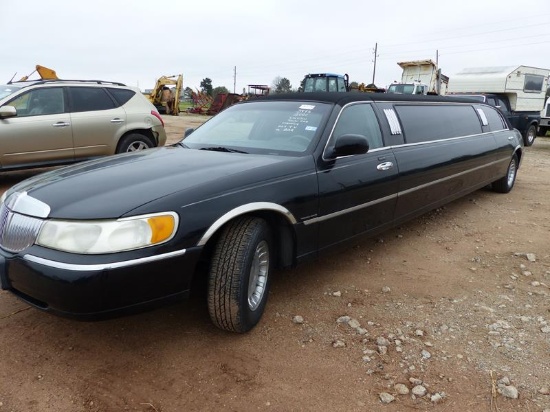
[(530, 134), (238, 280), (133, 143), (506, 183)]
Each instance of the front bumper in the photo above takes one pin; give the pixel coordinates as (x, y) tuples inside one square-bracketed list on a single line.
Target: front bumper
[(89, 289)]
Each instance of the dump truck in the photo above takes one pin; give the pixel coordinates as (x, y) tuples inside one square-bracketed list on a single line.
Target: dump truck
[(420, 77), (518, 91)]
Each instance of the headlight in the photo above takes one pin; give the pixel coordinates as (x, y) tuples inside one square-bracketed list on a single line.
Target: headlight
[(108, 236)]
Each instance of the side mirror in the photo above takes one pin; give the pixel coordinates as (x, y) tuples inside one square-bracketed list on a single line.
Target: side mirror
[(7, 111), (188, 131), (350, 144)]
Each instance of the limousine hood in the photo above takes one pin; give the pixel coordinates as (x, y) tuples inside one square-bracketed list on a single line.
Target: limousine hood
[(114, 186)]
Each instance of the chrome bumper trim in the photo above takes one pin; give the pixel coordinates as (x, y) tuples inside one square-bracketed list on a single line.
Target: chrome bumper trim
[(101, 266)]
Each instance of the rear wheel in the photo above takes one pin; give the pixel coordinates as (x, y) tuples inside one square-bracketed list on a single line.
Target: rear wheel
[(133, 143), (530, 134), (238, 280), (506, 183)]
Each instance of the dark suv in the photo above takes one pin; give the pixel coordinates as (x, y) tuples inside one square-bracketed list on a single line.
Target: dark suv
[(54, 122)]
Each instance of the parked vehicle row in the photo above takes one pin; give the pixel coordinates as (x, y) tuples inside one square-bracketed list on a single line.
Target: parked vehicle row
[(265, 184), (55, 122)]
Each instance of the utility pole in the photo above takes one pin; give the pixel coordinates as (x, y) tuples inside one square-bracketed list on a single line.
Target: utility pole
[(375, 55), (234, 78)]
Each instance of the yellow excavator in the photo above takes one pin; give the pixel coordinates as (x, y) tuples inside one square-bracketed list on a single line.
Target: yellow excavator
[(170, 104)]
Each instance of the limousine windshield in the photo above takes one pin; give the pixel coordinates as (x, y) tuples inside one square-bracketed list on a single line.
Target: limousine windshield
[(286, 127)]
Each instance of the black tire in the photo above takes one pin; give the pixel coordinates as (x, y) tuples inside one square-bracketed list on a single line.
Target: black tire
[(134, 142), (238, 279), (542, 131), (506, 183), (529, 136)]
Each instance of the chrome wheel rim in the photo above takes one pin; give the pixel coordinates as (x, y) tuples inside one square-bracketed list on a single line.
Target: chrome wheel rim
[(137, 146), (511, 173), (257, 279)]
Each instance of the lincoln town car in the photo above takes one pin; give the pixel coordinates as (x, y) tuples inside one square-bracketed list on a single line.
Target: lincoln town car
[(265, 184)]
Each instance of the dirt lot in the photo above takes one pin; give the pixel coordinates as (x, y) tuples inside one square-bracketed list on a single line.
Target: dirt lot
[(450, 312)]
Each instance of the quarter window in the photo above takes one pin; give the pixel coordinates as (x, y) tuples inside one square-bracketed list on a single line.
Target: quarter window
[(121, 95), (359, 119), (423, 123), (90, 99)]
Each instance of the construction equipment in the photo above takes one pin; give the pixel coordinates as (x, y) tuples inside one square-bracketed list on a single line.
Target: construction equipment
[(167, 105), (222, 101), (201, 102), (45, 73), (326, 82), (420, 77), (366, 88)]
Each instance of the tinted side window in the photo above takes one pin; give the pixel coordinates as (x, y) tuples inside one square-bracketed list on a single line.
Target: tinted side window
[(423, 123), (47, 100), (90, 98), (121, 95), (359, 119), (496, 122)]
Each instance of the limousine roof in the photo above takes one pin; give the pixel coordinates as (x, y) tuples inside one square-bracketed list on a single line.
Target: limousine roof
[(344, 98)]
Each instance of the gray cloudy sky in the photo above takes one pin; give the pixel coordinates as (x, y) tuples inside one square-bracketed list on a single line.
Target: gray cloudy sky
[(137, 41)]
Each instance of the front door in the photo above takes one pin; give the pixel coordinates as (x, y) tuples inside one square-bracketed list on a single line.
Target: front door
[(41, 132), (357, 194)]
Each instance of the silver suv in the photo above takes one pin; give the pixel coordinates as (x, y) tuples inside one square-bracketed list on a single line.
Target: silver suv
[(54, 122)]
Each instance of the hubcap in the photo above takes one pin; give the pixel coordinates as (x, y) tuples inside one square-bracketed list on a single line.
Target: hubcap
[(531, 135), (258, 275), (511, 173), (136, 146)]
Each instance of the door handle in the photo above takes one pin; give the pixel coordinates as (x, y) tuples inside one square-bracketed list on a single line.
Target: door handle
[(385, 166), (117, 120), (510, 137), (61, 124)]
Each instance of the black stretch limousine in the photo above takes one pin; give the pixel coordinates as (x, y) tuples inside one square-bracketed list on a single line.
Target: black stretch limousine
[(266, 183)]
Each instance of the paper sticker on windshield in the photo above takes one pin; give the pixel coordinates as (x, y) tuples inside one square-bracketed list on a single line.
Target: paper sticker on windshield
[(307, 107), (311, 128)]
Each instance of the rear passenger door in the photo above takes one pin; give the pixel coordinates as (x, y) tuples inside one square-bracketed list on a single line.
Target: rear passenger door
[(446, 154), (97, 121), (357, 194)]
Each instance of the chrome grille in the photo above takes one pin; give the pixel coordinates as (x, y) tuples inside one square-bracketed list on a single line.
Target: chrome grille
[(17, 232)]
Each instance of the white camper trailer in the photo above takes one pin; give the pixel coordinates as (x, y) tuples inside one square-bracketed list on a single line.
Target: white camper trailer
[(524, 85), (518, 91)]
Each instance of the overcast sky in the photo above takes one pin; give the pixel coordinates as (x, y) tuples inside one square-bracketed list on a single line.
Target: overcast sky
[(135, 42)]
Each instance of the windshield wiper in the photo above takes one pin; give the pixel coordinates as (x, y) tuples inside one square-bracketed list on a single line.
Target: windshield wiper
[(180, 143), (223, 149)]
